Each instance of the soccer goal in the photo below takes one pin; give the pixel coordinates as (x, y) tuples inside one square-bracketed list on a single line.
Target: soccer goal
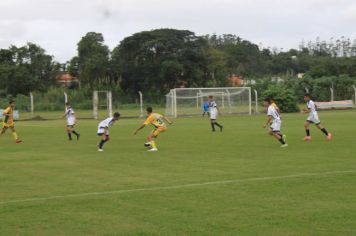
[(189, 101), (102, 100)]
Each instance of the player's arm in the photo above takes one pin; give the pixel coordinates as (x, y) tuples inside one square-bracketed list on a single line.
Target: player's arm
[(269, 120), (168, 120), (306, 110), (217, 108), (139, 128)]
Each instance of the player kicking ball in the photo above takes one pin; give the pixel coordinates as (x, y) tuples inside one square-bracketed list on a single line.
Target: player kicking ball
[(214, 111), (8, 121), (313, 118), (71, 120), (275, 122), (157, 121), (103, 130)]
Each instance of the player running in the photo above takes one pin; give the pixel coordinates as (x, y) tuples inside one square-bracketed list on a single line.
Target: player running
[(157, 121), (206, 108), (214, 111), (8, 121), (275, 122), (103, 130), (313, 118), (71, 121)]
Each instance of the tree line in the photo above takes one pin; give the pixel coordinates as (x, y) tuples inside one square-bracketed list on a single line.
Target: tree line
[(158, 60)]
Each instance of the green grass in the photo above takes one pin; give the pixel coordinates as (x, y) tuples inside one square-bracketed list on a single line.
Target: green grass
[(47, 165)]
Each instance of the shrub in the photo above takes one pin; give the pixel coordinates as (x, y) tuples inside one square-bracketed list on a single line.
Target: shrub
[(283, 96)]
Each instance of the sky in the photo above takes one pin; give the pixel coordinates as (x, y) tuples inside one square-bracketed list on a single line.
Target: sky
[(58, 25)]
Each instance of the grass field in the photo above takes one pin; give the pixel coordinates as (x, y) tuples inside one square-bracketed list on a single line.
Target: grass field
[(239, 182)]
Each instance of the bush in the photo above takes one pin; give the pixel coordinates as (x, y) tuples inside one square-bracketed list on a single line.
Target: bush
[(283, 96)]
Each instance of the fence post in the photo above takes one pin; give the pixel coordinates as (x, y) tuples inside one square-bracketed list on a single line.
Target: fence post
[(332, 94), (256, 101), (32, 104), (141, 103), (354, 94), (306, 90), (65, 99)]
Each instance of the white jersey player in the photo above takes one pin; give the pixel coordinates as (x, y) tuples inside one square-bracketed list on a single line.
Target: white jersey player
[(214, 112), (71, 120), (103, 129), (313, 118), (275, 122)]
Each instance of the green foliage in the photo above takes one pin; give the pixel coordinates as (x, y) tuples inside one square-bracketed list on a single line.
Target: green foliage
[(283, 96)]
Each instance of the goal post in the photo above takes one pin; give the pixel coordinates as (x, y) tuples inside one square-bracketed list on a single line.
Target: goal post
[(189, 101), (102, 100)]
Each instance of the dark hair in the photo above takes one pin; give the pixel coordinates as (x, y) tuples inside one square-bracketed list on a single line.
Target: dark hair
[(11, 101), (269, 100), (307, 95), (211, 96), (117, 115), (149, 109), (67, 103)]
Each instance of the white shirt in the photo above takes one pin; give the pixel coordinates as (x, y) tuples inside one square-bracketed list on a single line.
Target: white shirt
[(70, 115), (106, 123), (312, 107), (274, 113), (213, 106)]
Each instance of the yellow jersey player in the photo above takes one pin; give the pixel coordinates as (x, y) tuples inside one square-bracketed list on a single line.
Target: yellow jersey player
[(157, 121), (8, 121)]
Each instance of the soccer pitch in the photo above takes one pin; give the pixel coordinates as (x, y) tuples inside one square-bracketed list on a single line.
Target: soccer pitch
[(239, 182)]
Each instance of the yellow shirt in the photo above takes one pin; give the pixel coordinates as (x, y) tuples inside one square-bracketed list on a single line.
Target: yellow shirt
[(156, 120), (8, 119)]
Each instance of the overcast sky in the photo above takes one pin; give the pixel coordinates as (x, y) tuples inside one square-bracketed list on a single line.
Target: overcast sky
[(57, 25)]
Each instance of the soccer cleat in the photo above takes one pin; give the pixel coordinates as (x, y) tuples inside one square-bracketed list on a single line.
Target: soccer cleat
[(329, 137), (153, 150), (147, 145), (100, 150), (307, 138), (18, 141), (284, 146)]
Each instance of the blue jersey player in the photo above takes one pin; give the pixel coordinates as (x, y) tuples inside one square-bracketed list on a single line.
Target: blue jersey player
[(206, 108)]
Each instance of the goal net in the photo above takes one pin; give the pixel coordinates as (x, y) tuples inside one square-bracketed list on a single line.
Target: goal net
[(190, 101)]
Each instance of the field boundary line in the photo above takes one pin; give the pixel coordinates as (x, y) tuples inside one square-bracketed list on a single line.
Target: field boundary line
[(172, 187)]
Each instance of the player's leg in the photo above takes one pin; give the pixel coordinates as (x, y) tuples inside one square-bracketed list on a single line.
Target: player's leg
[(212, 123), (75, 132), (327, 134), (219, 125), (307, 130), (14, 134), (69, 132), (103, 140), (3, 129), (151, 138)]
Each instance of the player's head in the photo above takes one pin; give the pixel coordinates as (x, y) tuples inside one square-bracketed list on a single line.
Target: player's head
[(116, 115), (67, 104), (12, 103), (306, 97), (149, 110), (210, 98), (267, 102)]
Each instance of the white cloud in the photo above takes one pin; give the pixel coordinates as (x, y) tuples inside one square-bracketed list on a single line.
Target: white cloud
[(58, 25)]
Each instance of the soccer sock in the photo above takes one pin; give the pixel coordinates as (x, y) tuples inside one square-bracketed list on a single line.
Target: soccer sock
[(70, 136), (324, 131), (74, 132), (212, 126), (101, 144), (218, 124), (153, 144), (15, 135), (282, 141), (308, 132)]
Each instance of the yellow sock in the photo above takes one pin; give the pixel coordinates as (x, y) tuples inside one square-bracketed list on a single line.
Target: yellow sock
[(153, 144), (15, 135)]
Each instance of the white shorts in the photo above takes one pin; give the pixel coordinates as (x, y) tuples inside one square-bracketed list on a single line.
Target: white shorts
[(102, 131), (213, 115), (314, 119), (276, 126), (70, 122)]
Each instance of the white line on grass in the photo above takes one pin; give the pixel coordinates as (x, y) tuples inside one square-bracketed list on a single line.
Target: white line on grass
[(235, 181)]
